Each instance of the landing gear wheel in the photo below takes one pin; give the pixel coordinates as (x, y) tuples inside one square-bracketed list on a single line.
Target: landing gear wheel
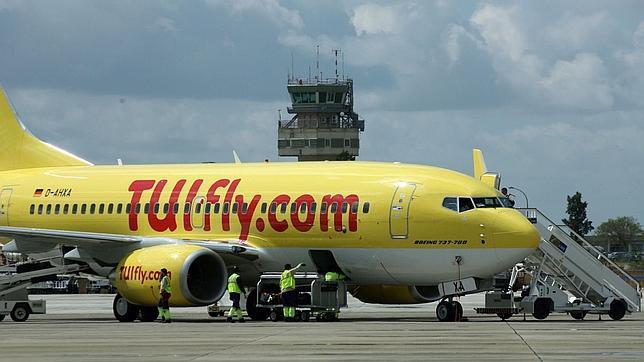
[(124, 311), (504, 315), (20, 313), (256, 314), (148, 314), (445, 311), (213, 314), (617, 309), (306, 315), (541, 308)]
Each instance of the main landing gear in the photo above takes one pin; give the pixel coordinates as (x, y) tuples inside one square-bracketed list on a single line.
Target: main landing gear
[(449, 311)]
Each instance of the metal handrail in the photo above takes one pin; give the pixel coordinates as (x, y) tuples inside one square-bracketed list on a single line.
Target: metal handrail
[(588, 246)]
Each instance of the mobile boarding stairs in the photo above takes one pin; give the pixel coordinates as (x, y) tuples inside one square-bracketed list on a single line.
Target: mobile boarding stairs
[(15, 279), (567, 275)]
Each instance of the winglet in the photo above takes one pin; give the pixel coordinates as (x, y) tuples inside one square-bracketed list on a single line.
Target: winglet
[(479, 163), (236, 157)]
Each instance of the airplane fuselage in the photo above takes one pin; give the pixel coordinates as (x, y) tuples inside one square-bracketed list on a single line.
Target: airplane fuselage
[(385, 223)]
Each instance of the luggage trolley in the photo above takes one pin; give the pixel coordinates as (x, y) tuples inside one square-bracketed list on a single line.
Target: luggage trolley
[(316, 297)]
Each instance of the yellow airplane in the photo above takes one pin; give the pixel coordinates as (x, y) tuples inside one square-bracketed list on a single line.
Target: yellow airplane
[(400, 233)]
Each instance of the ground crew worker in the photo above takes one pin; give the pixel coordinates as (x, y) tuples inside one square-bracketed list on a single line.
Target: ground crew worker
[(165, 291), (289, 294), (235, 290)]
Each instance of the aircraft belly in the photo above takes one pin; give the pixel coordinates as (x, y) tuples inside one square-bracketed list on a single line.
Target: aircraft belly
[(403, 266)]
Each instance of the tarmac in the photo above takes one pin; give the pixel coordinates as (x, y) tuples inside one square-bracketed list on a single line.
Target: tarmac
[(82, 328)]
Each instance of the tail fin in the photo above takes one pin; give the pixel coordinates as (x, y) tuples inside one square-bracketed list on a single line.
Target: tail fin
[(479, 163), (492, 179), (20, 149)]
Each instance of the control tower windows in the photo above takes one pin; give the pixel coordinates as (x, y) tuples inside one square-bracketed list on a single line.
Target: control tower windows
[(306, 97)]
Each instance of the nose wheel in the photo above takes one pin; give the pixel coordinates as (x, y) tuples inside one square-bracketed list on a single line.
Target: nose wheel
[(449, 311)]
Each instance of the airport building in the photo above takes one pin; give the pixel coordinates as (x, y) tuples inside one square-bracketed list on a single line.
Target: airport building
[(323, 125)]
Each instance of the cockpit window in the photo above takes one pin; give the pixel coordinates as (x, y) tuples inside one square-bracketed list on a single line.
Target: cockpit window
[(506, 202), (487, 202), (465, 204), (450, 203)]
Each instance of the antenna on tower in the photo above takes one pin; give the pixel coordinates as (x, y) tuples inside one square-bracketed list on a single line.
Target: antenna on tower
[(335, 52), (317, 63), (292, 70)]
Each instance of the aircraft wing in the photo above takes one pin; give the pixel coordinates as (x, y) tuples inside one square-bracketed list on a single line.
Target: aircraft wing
[(89, 239)]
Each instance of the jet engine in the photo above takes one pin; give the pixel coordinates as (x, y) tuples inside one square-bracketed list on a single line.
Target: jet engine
[(395, 294), (198, 275)]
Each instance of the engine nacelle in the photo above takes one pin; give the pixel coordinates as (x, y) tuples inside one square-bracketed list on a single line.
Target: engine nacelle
[(198, 276), (395, 294)]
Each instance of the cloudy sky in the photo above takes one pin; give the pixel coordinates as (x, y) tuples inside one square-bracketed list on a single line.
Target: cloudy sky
[(552, 91)]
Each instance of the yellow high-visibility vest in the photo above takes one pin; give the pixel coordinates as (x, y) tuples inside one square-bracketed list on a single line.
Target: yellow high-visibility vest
[(233, 287), (287, 281)]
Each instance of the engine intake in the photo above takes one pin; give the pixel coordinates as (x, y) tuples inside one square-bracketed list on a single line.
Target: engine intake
[(197, 275)]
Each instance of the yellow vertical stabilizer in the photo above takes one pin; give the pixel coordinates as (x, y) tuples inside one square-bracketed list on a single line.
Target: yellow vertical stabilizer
[(479, 163), (20, 149)]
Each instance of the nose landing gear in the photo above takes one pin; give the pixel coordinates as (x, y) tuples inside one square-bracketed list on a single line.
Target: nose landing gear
[(449, 311)]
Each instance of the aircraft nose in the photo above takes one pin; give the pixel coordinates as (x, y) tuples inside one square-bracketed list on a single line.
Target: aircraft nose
[(516, 237)]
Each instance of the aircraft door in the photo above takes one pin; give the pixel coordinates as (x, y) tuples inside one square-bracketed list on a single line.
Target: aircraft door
[(5, 197), (399, 213), (197, 213)]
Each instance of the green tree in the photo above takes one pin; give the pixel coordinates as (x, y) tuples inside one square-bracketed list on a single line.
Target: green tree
[(622, 230), (345, 156), (577, 219)]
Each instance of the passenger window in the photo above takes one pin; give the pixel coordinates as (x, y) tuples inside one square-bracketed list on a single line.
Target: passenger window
[(216, 208), (450, 203), (57, 209), (283, 208), (119, 208), (110, 208), (175, 208), (40, 207), (365, 208), (186, 208), (207, 208), (83, 209), (66, 209), (146, 208), (198, 208), (32, 209), (273, 208), (48, 209), (226, 208), (323, 208), (245, 207), (303, 208), (156, 207), (92, 208), (293, 208), (235, 206), (334, 207), (101, 208), (314, 206), (75, 209), (263, 208), (138, 208), (354, 208), (345, 207), (128, 208), (465, 204), (166, 208)]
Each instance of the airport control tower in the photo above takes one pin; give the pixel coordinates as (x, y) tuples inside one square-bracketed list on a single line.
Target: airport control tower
[(324, 125)]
